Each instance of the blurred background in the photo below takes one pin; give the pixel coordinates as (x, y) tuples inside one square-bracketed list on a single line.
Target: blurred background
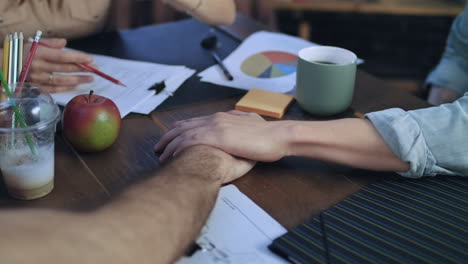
[(400, 40)]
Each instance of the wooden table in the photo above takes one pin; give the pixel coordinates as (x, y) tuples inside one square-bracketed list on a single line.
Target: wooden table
[(291, 190)]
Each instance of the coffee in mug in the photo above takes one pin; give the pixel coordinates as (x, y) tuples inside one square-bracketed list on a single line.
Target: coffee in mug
[(325, 79)]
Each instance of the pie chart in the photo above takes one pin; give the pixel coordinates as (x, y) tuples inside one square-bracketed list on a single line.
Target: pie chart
[(270, 64)]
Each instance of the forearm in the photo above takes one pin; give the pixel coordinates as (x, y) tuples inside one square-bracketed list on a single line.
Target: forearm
[(352, 142), (215, 12), (152, 222), (169, 210)]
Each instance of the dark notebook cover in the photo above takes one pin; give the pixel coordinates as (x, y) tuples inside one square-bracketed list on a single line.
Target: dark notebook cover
[(396, 221)]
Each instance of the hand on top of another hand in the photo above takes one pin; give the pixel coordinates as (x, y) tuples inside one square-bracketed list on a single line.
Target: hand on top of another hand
[(49, 62), (214, 165), (241, 134)]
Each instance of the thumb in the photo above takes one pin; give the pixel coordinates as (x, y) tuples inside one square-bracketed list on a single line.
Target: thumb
[(56, 43)]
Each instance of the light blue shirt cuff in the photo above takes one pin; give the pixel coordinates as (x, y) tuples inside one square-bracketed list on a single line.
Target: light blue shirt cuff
[(403, 135)]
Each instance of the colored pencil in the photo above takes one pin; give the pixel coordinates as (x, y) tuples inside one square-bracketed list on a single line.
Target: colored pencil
[(14, 64), (20, 52), (100, 73), (6, 52), (10, 58), (32, 51)]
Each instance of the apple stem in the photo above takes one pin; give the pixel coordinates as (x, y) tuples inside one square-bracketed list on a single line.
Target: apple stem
[(89, 97)]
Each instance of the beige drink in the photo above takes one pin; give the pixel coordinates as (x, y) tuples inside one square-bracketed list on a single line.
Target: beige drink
[(29, 176), (27, 132)]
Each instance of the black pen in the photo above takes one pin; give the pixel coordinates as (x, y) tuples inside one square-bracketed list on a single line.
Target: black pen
[(221, 64), (210, 43)]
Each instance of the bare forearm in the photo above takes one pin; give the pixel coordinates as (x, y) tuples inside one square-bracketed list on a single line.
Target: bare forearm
[(152, 222), (352, 142), (169, 211)]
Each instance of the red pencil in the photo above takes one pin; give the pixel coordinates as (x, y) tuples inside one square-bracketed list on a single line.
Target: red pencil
[(32, 51), (100, 73), (92, 69)]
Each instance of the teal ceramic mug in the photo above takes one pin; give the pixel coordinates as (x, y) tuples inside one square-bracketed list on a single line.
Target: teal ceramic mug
[(325, 79)]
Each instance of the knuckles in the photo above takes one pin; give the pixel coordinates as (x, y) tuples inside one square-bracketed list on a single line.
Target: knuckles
[(178, 125)]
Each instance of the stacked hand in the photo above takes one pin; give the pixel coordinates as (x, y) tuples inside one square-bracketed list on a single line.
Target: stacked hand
[(245, 135), (50, 61), (212, 164)]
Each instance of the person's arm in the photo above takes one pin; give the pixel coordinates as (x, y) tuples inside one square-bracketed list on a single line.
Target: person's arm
[(449, 80), (424, 142), (215, 12), (353, 142), (151, 222), (432, 140)]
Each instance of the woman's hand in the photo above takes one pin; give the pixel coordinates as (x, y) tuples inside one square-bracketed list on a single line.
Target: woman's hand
[(50, 62), (241, 134)]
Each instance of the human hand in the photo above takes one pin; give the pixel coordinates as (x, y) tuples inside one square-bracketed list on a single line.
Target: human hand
[(50, 61), (241, 134)]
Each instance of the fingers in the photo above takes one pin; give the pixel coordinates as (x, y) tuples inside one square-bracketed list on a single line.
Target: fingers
[(199, 136), (169, 150), (183, 123), (60, 79), (56, 89), (62, 56), (52, 58), (56, 43), (46, 66), (178, 128), (213, 130)]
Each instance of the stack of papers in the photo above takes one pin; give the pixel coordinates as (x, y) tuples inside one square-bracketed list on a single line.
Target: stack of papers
[(138, 77)]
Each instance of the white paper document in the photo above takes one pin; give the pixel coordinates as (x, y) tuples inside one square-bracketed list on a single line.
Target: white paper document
[(264, 60), (138, 77), (237, 232)]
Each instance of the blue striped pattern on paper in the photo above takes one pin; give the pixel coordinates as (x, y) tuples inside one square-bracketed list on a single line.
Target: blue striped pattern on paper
[(396, 221)]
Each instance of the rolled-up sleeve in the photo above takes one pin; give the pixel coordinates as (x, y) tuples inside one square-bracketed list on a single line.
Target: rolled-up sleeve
[(432, 140), (452, 70)]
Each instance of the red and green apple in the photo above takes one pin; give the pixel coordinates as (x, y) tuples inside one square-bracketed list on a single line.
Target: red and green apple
[(91, 122)]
